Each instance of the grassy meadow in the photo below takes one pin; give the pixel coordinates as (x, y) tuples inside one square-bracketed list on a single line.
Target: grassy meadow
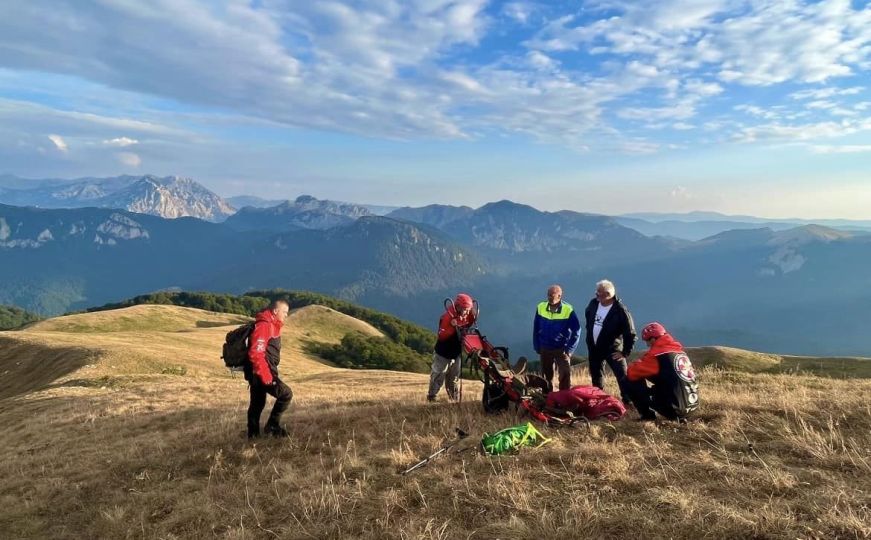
[(124, 424)]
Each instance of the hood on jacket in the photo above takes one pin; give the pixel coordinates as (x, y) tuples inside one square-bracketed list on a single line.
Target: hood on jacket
[(665, 343)]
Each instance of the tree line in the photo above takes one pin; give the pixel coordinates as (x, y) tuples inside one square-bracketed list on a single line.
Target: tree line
[(12, 317)]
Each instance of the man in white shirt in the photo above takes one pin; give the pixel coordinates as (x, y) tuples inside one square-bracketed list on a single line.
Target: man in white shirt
[(610, 336)]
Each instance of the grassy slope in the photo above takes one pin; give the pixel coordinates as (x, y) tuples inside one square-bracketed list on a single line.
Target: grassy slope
[(114, 444)]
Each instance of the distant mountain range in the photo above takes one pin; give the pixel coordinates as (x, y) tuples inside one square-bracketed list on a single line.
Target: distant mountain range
[(305, 212), (780, 287), (168, 197), (698, 225), (241, 201), (56, 260)]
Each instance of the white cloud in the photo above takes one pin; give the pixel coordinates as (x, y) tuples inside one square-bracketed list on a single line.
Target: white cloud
[(410, 69), (519, 11), (539, 60), (640, 147), (702, 88), (129, 159), (758, 43), (59, 143), (758, 112), (802, 132), (824, 93), (678, 111), (680, 193), (120, 141), (843, 149)]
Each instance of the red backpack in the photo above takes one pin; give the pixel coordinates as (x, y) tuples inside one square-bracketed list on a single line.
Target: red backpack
[(587, 401)]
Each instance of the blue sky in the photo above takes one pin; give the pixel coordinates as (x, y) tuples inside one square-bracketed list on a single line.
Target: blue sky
[(753, 107)]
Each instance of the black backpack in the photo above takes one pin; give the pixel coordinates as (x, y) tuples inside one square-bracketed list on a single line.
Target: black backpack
[(236, 347)]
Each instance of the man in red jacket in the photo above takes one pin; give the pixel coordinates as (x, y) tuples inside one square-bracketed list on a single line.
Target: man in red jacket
[(261, 372), (446, 357), (674, 392)]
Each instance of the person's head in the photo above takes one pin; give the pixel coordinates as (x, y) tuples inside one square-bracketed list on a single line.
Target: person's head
[(463, 304), (652, 332), (554, 294), (605, 292), (280, 308)]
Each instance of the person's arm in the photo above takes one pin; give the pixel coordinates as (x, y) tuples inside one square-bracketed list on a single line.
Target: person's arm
[(588, 316), (574, 333), (647, 366), (535, 324), (446, 329), (629, 335), (257, 352)]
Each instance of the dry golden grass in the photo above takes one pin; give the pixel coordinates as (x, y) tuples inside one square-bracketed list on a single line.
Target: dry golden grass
[(113, 448)]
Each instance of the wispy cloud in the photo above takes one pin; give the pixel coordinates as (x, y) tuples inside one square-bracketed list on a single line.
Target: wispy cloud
[(129, 159), (120, 141), (59, 143), (843, 149)]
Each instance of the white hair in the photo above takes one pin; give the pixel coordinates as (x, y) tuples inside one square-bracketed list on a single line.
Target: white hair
[(608, 286)]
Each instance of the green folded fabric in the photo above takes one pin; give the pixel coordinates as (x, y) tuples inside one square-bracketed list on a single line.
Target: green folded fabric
[(513, 438)]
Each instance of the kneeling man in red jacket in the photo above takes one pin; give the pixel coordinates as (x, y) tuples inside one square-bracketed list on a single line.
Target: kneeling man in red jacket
[(673, 392)]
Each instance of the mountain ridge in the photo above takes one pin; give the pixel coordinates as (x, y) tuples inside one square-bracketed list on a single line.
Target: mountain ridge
[(169, 197)]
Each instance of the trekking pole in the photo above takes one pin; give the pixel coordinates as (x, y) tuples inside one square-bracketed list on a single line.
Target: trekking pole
[(422, 463)]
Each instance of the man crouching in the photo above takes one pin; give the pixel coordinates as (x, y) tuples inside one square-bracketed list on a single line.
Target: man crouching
[(674, 392)]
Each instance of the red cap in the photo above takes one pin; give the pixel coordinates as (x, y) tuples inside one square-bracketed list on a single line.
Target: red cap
[(653, 330), (463, 301)]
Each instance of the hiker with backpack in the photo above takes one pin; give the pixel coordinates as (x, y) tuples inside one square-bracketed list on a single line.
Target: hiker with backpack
[(555, 334), (261, 370), (674, 391), (458, 316)]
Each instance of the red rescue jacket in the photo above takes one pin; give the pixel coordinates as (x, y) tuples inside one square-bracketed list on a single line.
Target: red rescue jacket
[(265, 346), (447, 345), (648, 365)]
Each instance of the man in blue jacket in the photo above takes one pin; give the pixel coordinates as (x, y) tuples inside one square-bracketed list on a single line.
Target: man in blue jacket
[(555, 334)]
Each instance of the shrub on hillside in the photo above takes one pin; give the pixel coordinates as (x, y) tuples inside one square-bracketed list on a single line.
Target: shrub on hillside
[(13, 317), (367, 352)]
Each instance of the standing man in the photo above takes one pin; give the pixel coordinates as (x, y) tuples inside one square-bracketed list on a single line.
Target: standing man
[(555, 334), (448, 348), (261, 372), (610, 336), (674, 392)]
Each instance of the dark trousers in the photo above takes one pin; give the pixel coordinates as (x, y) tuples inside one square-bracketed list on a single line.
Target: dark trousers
[(597, 369), (647, 400), (282, 394), (549, 357)]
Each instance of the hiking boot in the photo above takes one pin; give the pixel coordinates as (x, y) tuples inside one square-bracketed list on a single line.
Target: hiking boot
[(253, 432), (430, 398), (274, 430)]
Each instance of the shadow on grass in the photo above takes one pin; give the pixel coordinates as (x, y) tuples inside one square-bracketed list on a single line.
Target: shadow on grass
[(28, 367)]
